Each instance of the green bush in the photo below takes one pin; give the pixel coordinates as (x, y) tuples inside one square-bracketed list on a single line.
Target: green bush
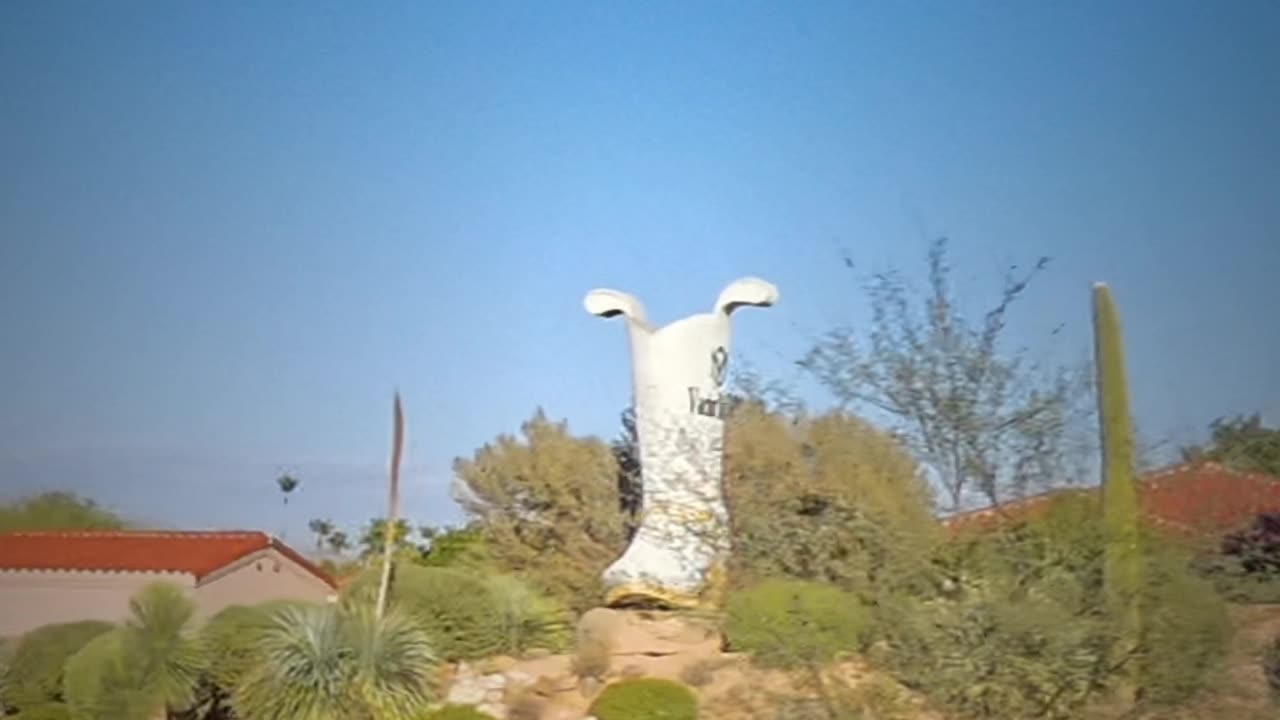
[(790, 623), (1018, 625), (457, 712), (470, 615), (646, 699), (1187, 629), (34, 675)]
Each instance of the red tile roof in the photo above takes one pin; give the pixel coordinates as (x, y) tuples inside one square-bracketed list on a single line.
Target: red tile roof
[(1196, 498), (197, 553)]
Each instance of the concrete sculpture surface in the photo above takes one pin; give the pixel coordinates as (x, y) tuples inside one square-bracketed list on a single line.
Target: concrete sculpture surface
[(677, 555)]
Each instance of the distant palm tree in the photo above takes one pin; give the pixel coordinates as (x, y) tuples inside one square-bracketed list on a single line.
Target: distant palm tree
[(333, 662), (323, 529), (339, 542), (287, 484)]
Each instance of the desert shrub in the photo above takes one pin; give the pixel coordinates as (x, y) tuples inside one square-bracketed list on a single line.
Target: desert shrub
[(646, 699), (547, 505), (1018, 628), (100, 683), (35, 669), (791, 623), (1187, 629), (527, 619), (457, 712), (1271, 666), (466, 614), (829, 499), (1015, 628), (1245, 567)]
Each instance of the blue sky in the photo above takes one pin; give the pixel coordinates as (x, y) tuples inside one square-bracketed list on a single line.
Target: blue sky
[(230, 230)]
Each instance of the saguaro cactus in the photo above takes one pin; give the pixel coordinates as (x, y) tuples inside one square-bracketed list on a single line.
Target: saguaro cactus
[(1123, 569)]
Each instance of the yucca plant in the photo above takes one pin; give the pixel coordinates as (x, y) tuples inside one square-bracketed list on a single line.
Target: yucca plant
[(152, 663), (336, 663)]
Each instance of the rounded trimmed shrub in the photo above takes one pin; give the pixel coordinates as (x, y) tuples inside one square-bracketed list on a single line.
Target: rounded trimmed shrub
[(646, 699), (457, 712), (788, 623), (35, 673)]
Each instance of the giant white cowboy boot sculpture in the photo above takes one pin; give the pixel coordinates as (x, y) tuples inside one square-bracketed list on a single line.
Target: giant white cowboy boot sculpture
[(678, 554)]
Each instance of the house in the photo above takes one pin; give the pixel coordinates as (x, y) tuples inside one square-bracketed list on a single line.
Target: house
[(68, 575), (1197, 499)]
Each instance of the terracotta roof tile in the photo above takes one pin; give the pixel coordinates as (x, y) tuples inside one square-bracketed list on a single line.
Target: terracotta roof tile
[(197, 553), (1205, 497)]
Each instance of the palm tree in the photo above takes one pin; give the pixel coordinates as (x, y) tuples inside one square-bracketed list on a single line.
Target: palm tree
[(335, 662), (373, 539), (339, 542), (287, 484), (323, 529)]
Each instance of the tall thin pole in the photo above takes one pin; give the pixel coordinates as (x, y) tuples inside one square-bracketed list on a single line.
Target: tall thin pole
[(393, 513)]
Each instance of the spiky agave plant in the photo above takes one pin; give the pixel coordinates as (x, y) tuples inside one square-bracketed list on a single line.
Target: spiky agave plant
[(336, 662)]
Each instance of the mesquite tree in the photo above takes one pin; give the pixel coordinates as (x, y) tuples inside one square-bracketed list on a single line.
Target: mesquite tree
[(986, 422)]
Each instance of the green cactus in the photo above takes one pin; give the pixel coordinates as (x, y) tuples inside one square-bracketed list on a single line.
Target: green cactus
[(1123, 568)]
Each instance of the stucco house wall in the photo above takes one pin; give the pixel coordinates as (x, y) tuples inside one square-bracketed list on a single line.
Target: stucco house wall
[(31, 598), (261, 577), (67, 576)]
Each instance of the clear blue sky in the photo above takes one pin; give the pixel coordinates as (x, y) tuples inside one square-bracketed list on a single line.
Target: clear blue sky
[(231, 229)]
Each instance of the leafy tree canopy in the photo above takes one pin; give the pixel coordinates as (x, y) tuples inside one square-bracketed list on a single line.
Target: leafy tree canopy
[(987, 421), (1242, 443), (828, 498), (548, 504), (57, 511)]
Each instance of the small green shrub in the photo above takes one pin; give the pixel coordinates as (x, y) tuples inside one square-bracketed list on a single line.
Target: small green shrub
[(469, 615), (1187, 631), (646, 699), (458, 712), (34, 676), (791, 623)]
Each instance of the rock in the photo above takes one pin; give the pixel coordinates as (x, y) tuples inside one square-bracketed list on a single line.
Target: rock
[(653, 633), (548, 686), (494, 682), (561, 712), (517, 678), (632, 671), (499, 664), (588, 687), (538, 653), (466, 692)]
